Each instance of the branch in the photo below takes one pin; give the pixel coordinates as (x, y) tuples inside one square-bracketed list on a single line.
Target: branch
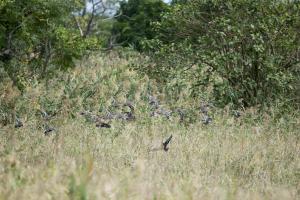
[(47, 56), (89, 25), (84, 10), (78, 26), (8, 50), (115, 16)]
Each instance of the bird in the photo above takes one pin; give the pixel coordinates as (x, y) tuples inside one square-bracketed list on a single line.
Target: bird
[(48, 130), (109, 116), (126, 116), (153, 102), (101, 122), (165, 112), (206, 119), (204, 108), (156, 108), (237, 114), (18, 123), (129, 116), (103, 125), (165, 143), (45, 115), (161, 146), (181, 114), (160, 111)]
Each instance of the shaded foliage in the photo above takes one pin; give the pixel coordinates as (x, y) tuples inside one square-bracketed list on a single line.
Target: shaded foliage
[(36, 35), (133, 21), (240, 52)]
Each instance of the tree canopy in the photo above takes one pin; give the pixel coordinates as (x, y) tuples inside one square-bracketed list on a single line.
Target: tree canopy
[(240, 52), (235, 51), (134, 19), (37, 36)]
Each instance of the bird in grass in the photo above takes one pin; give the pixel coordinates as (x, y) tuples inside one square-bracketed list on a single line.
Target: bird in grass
[(204, 107), (45, 115), (48, 130), (165, 143), (103, 125), (206, 119), (128, 115), (161, 112), (162, 146), (237, 114), (153, 102), (157, 109), (18, 123), (164, 112), (181, 115), (101, 122)]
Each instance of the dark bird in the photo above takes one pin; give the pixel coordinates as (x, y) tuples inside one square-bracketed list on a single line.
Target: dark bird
[(161, 112), (181, 114), (165, 143), (108, 116), (45, 115), (48, 130), (157, 109), (237, 114), (153, 102), (129, 116), (103, 125), (18, 123), (206, 120), (165, 112), (101, 122), (204, 108)]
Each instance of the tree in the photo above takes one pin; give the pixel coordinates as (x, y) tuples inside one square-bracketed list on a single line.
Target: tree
[(87, 20), (179, 1), (38, 35), (133, 21), (238, 51)]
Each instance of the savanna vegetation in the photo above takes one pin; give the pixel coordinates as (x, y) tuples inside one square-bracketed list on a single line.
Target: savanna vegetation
[(91, 89)]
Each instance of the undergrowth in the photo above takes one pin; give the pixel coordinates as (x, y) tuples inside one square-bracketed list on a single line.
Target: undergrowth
[(254, 156)]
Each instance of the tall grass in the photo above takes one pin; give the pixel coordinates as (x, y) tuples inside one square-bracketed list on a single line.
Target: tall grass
[(246, 158)]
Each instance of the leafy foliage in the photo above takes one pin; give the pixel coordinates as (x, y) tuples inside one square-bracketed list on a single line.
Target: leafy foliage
[(235, 51), (179, 1), (134, 20), (37, 35)]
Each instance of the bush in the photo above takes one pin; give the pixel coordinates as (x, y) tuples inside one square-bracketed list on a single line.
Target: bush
[(37, 36), (133, 21), (244, 52)]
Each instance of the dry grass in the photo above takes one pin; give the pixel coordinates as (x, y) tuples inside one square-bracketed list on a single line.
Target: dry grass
[(225, 160)]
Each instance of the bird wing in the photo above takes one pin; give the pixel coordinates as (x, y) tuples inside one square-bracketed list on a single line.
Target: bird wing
[(167, 141)]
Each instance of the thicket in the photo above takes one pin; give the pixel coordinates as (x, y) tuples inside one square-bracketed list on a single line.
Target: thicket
[(38, 37), (240, 52), (133, 21)]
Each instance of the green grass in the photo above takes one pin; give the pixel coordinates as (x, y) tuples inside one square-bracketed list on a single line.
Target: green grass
[(229, 159)]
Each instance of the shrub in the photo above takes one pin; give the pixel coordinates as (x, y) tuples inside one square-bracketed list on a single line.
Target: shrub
[(244, 52), (133, 21), (38, 35)]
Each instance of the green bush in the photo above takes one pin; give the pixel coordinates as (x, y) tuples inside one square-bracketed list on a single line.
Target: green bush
[(133, 21), (37, 36), (242, 52)]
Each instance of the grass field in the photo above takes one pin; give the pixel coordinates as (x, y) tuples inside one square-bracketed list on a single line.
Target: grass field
[(228, 159)]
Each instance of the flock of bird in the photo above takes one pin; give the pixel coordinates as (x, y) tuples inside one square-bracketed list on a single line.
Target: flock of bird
[(46, 117), (156, 109), (104, 120)]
